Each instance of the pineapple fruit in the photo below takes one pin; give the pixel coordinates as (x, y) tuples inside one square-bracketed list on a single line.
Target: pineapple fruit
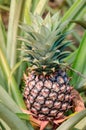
[(47, 89)]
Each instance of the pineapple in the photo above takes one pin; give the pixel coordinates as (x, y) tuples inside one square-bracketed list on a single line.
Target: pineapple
[(47, 89)]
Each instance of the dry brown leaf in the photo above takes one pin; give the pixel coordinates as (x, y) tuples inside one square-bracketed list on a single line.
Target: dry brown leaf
[(78, 104)]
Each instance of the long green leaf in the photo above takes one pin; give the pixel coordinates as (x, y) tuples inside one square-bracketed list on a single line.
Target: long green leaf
[(79, 63), (3, 125), (82, 23), (40, 7), (15, 12), (34, 4), (81, 125), (11, 105), (11, 119), (3, 80), (23, 116), (80, 15), (14, 87), (27, 11), (74, 10), (70, 59), (2, 36), (67, 125), (8, 101)]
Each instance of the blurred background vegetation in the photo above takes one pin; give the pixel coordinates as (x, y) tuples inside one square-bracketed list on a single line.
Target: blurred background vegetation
[(13, 12)]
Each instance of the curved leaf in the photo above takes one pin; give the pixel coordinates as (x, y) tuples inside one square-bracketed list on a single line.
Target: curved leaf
[(67, 125), (8, 101), (11, 119), (14, 86), (81, 125), (79, 63), (74, 10), (82, 23)]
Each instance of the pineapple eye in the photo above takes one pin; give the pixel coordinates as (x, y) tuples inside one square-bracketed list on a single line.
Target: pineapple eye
[(64, 106), (33, 110), (63, 88), (66, 80), (28, 104), (53, 96), (41, 116), (39, 85), (61, 97), (57, 105), (45, 92), (31, 99), (37, 105), (60, 114), (53, 113), (45, 110), (40, 99), (34, 91), (60, 80), (63, 74), (30, 77), (67, 98), (55, 87), (68, 89), (49, 103), (48, 84), (31, 84)]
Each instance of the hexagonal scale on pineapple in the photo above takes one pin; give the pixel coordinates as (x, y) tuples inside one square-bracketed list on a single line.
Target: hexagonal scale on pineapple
[(64, 106), (60, 115), (33, 110), (40, 99), (53, 112), (31, 84), (45, 110), (37, 78), (27, 89), (67, 97), (39, 85), (63, 73), (60, 80), (66, 80), (48, 84), (68, 89), (63, 88), (28, 104), (56, 87), (45, 92), (53, 96), (34, 91), (31, 76), (61, 97), (36, 105), (41, 116), (31, 99), (49, 103), (26, 92), (57, 104)]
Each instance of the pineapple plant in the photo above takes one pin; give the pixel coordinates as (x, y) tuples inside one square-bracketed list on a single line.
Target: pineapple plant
[(47, 89), (9, 113), (47, 92)]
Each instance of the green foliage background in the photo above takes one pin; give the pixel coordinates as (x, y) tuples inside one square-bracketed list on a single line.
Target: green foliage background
[(11, 68)]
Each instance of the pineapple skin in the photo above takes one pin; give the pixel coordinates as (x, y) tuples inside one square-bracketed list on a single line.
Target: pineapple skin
[(47, 97)]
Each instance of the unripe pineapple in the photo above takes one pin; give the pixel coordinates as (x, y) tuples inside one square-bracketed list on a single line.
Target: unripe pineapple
[(47, 89)]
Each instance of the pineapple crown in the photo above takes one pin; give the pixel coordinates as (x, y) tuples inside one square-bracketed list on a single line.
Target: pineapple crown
[(45, 42)]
